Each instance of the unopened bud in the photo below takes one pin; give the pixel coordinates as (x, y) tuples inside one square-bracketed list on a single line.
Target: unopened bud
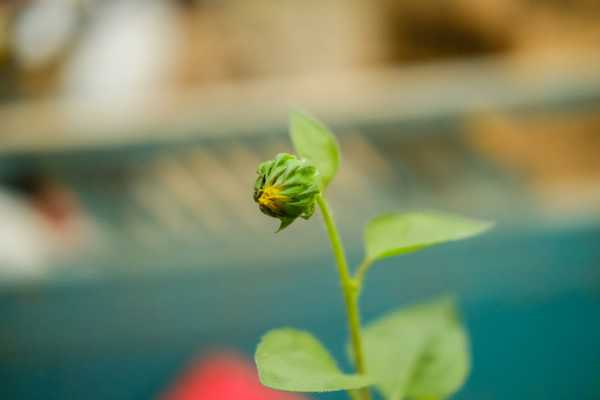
[(286, 188)]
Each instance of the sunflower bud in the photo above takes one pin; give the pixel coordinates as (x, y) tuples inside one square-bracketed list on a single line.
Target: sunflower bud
[(286, 188)]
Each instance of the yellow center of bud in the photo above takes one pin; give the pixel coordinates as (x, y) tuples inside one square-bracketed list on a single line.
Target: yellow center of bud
[(270, 195)]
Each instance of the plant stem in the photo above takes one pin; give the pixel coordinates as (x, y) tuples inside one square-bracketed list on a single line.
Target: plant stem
[(350, 290)]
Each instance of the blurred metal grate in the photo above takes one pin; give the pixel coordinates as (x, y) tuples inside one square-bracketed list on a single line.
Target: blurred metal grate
[(183, 188)]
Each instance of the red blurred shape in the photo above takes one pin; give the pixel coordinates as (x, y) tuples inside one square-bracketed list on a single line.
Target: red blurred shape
[(223, 377)]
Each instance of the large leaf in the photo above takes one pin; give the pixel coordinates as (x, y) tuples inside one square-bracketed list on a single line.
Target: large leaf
[(420, 352), (313, 141), (395, 234), (293, 360)]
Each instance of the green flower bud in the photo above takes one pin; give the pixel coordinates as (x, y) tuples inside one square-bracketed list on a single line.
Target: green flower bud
[(286, 188)]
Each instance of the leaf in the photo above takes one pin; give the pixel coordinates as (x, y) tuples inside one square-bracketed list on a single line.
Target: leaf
[(293, 360), (420, 352), (395, 234), (443, 367), (313, 141)]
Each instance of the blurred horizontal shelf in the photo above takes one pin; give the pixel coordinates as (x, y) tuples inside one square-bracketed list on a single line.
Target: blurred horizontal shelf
[(370, 99)]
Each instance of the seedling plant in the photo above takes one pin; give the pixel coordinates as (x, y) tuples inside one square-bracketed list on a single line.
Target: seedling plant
[(420, 352)]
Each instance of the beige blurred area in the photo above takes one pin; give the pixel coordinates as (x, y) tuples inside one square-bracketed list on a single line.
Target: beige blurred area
[(557, 156), (200, 43), (134, 127)]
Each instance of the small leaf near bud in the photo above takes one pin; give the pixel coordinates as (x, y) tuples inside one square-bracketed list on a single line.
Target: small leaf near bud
[(286, 188)]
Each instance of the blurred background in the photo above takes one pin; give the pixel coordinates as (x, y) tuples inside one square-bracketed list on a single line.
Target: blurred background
[(134, 264)]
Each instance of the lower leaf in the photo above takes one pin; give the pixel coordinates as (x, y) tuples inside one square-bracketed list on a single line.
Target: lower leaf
[(294, 360)]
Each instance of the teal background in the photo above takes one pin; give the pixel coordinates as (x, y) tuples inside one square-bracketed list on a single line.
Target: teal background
[(530, 298)]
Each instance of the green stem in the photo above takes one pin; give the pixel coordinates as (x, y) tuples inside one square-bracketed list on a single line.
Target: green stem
[(351, 291)]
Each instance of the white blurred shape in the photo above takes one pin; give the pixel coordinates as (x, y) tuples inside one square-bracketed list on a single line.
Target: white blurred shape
[(33, 237), (43, 30), (126, 54), (24, 245)]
